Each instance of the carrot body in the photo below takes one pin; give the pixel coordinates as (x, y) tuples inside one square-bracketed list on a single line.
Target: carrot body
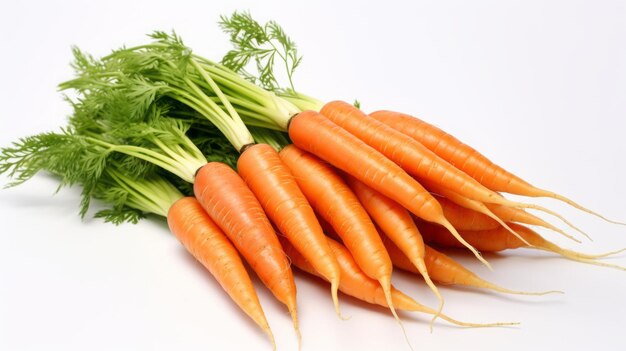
[(318, 135), (354, 281), (231, 204), (463, 218), (333, 200), (312, 132), (396, 223), (491, 240), (445, 270), (455, 152), (409, 154), (357, 284), (206, 242), (442, 268), (470, 161), (276, 189)]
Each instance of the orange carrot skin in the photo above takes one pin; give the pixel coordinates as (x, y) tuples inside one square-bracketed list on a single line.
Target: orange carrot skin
[(316, 134), (512, 214), (276, 189), (333, 200), (409, 154), (353, 282), (394, 220), (493, 240), (455, 152), (466, 219), (206, 242), (235, 209), (441, 268)]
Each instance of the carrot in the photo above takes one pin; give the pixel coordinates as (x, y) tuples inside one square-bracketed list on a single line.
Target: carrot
[(412, 156), (231, 204), (470, 214), (445, 270), (462, 218), (512, 214), (498, 239), (333, 200), (473, 205), (318, 135), (357, 284), (275, 187), (468, 159), (461, 213), (396, 223), (207, 243)]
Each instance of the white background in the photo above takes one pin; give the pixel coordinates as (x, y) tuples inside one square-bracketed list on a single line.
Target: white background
[(538, 86)]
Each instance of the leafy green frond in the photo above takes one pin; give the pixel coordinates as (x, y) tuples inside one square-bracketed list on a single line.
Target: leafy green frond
[(213, 144), (260, 44), (121, 215), (90, 72), (116, 197), (64, 154)]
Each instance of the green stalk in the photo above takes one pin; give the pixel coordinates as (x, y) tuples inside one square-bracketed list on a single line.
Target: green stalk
[(184, 168), (152, 195)]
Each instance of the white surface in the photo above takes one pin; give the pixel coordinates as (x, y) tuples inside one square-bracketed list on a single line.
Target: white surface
[(538, 86)]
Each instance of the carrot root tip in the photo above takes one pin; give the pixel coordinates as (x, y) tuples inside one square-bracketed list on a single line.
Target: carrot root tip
[(421, 267), (334, 288), (386, 285), (456, 234)]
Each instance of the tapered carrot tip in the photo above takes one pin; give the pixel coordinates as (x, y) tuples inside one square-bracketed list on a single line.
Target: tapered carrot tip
[(271, 336), (296, 326), (421, 268), (456, 234), (574, 204), (334, 286), (500, 289), (579, 257), (545, 210), (478, 325), (409, 304), (602, 255), (385, 282)]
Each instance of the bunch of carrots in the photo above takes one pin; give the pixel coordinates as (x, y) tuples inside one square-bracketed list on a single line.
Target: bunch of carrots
[(245, 170)]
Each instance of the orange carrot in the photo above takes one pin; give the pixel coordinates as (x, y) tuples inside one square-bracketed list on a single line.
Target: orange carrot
[(207, 243), (333, 200), (357, 284), (512, 214), (231, 204), (499, 239), (468, 159), (275, 187), (412, 156), (318, 135), (463, 218), (467, 214), (470, 204), (445, 270), (396, 223)]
